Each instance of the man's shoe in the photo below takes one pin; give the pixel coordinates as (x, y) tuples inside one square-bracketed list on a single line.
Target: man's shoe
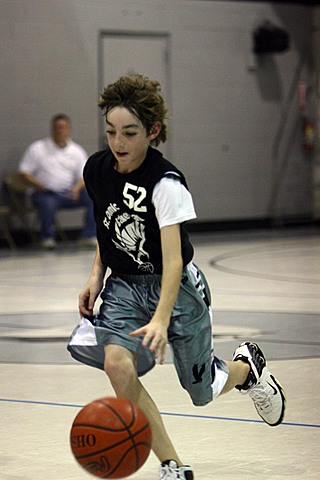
[(48, 244), (169, 470), (266, 392), (88, 242)]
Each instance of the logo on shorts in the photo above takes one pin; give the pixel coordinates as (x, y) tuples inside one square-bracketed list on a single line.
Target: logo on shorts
[(198, 374)]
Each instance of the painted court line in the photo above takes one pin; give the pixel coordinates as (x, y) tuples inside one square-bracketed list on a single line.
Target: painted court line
[(186, 415)]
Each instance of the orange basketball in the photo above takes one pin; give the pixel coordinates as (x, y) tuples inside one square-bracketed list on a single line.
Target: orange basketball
[(111, 438)]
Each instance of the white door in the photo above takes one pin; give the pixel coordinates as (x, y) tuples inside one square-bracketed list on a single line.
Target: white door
[(129, 53)]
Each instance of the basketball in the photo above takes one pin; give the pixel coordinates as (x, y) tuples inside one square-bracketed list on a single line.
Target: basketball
[(111, 438)]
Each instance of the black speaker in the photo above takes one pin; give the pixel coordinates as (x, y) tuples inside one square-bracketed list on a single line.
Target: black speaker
[(270, 39)]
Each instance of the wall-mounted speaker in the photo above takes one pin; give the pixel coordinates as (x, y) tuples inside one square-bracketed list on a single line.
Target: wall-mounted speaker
[(270, 39)]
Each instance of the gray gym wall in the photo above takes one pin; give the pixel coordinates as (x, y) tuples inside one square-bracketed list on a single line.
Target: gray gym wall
[(235, 125)]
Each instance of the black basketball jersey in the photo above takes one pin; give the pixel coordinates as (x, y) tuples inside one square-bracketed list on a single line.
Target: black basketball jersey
[(127, 228)]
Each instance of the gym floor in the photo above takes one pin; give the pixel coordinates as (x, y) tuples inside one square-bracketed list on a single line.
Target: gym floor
[(265, 287)]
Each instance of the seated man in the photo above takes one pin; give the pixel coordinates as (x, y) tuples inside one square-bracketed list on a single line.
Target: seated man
[(53, 167)]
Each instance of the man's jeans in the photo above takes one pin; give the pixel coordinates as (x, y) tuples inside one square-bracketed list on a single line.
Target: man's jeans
[(47, 204)]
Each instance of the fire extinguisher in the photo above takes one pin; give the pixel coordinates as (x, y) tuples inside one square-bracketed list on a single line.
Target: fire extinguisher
[(308, 135)]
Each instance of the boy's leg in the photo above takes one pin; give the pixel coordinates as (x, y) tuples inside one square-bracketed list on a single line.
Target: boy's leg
[(238, 373), (120, 368), (247, 372)]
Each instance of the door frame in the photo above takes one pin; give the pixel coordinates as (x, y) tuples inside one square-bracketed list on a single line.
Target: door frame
[(132, 33)]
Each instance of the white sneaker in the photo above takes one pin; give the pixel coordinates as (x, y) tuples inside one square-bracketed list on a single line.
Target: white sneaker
[(48, 243), (265, 391), (169, 470)]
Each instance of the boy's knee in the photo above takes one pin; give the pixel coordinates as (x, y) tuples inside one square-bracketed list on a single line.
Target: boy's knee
[(119, 368)]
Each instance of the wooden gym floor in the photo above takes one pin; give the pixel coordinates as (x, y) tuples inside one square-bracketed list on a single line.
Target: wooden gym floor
[(265, 286)]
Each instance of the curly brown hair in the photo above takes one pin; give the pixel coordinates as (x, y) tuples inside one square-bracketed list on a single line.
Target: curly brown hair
[(142, 97)]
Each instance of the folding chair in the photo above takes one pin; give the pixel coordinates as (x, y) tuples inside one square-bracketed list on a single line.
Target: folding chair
[(4, 226), (20, 204)]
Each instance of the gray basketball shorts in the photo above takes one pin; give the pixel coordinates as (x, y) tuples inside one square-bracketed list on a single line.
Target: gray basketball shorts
[(129, 302)]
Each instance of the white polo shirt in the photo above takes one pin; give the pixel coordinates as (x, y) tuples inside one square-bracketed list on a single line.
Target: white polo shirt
[(57, 168)]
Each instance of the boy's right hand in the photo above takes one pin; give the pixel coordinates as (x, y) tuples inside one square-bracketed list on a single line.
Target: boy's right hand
[(87, 298)]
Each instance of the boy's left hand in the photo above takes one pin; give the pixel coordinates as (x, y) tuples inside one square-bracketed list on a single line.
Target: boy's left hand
[(155, 338)]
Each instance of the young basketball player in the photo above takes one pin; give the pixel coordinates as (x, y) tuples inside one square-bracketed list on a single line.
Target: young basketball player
[(154, 293)]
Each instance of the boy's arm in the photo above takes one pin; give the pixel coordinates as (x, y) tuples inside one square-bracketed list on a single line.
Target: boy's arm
[(171, 272), (155, 332), (93, 286)]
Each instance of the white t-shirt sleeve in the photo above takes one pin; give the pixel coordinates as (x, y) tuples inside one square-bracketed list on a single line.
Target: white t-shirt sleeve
[(28, 163), (57, 168), (173, 202)]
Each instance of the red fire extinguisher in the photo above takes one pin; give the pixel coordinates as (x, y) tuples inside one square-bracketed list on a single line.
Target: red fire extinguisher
[(308, 133)]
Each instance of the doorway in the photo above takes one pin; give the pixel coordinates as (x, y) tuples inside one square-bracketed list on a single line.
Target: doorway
[(127, 53)]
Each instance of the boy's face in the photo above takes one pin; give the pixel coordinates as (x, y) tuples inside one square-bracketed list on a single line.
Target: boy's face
[(127, 139)]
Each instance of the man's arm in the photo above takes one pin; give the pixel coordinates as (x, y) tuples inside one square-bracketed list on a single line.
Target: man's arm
[(33, 181), (76, 189)]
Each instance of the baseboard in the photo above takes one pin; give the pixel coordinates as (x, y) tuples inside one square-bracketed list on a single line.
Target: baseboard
[(22, 238)]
